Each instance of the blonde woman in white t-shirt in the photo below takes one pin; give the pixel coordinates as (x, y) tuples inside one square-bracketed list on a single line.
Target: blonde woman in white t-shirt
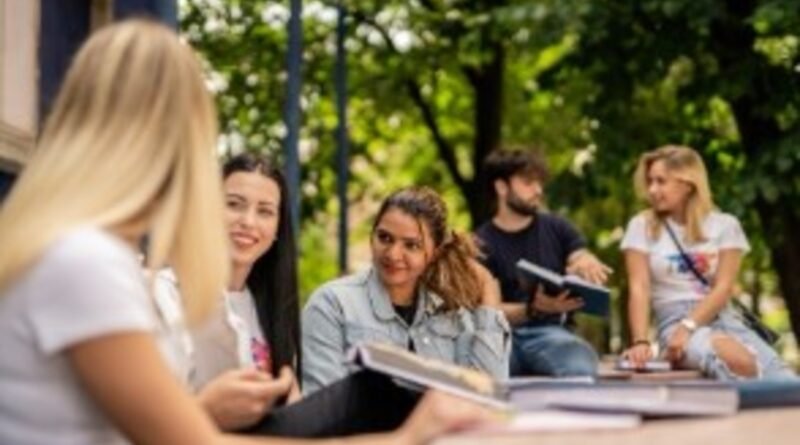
[(128, 150), (696, 327)]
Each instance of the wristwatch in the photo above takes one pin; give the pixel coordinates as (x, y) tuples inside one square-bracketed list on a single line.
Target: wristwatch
[(689, 324)]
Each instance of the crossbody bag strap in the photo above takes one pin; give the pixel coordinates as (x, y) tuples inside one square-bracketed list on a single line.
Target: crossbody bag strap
[(686, 259), (689, 263)]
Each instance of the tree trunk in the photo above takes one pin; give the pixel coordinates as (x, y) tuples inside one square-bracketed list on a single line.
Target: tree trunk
[(778, 220), (759, 132), (487, 84), (780, 223)]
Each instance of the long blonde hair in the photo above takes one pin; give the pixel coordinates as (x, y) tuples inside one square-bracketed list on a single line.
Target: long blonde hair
[(131, 137), (686, 165)]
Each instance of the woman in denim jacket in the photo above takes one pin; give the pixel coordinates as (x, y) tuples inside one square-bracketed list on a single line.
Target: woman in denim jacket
[(425, 292)]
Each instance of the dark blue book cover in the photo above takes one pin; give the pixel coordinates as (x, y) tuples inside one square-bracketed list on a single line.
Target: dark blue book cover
[(596, 299)]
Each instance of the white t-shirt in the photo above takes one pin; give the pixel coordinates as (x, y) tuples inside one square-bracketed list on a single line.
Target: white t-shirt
[(670, 279), (86, 285), (230, 338), (174, 340)]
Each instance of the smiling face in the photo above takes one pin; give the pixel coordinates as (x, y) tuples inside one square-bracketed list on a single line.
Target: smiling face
[(401, 249), (666, 192), (252, 203)]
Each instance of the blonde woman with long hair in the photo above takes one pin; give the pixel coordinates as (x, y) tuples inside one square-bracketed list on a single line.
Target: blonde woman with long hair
[(682, 256), (127, 151)]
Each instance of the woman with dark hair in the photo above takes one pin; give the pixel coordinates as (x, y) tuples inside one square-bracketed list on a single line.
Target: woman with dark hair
[(425, 292), (272, 278), (255, 332)]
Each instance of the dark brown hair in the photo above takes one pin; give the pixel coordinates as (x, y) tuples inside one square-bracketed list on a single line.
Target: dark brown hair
[(505, 163), (451, 272)]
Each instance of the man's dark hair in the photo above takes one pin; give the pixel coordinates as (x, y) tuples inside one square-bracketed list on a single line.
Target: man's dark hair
[(505, 163)]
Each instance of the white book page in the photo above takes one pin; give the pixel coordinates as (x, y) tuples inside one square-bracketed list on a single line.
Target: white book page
[(555, 420)]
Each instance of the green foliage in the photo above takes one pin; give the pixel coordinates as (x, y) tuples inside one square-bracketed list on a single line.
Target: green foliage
[(592, 84)]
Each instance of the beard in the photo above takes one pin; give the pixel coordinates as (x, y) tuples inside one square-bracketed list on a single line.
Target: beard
[(521, 206)]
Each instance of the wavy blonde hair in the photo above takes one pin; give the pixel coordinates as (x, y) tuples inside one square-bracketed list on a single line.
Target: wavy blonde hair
[(686, 165), (131, 138)]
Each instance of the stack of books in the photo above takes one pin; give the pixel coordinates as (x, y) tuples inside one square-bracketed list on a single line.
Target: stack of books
[(544, 404)]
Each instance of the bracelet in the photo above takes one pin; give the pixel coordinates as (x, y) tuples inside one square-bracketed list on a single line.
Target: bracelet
[(640, 342)]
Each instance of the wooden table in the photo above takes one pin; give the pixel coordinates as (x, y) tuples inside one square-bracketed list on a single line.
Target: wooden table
[(754, 427)]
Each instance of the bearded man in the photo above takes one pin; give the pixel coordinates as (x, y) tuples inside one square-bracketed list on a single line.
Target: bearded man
[(542, 340)]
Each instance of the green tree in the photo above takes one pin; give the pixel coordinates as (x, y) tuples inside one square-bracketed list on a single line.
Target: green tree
[(721, 76), (435, 85)]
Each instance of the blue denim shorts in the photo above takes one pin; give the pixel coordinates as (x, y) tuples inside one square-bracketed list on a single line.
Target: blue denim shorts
[(700, 353)]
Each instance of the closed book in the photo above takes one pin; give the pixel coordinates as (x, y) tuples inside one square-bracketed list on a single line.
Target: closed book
[(650, 399), (769, 393)]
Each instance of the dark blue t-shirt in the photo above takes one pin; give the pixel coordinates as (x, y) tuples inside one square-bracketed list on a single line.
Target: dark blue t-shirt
[(548, 241)]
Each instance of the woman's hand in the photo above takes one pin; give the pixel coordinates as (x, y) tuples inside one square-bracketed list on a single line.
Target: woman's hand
[(638, 354), (676, 345), (241, 397), (439, 413)]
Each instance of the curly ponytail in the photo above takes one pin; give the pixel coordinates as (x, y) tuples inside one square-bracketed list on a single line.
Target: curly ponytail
[(452, 272)]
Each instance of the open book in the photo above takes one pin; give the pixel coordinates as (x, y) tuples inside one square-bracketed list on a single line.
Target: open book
[(596, 299), (412, 370), (640, 398)]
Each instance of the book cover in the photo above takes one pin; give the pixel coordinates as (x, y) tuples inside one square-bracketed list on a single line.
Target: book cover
[(650, 399), (768, 393), (596, 299)]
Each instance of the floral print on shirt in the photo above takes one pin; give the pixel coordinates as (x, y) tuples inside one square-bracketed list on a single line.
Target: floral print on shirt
[(702, 262), (262, 356)]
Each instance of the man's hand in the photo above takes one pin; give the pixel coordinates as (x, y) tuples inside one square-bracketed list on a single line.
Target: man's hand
[(546, 304), (585, 265), (241, 397)]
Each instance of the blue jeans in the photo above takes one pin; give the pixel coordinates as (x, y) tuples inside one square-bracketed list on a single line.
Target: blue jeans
[(550, 350), (700, 353)]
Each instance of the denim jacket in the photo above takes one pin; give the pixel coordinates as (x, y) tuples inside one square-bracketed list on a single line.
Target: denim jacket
[(357, 308)]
